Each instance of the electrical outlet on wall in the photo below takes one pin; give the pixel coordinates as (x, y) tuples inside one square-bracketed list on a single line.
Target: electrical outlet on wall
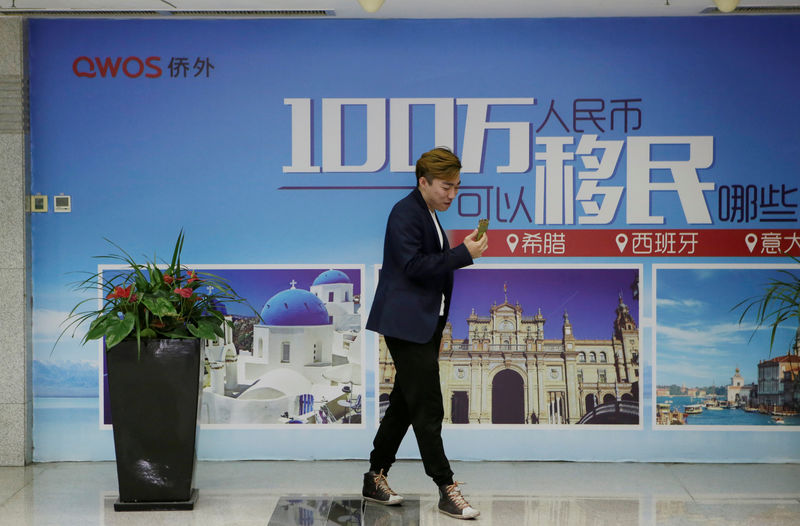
[(38, 203)]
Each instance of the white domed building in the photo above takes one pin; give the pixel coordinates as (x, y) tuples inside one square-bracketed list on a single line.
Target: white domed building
[(305, 340), (335, 290), (296, 331)]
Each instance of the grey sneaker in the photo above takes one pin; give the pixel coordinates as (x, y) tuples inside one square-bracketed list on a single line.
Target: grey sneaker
[(376, 488), (453, 503)]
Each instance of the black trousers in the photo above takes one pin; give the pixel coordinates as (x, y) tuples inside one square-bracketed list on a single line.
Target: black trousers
[(416, 401)]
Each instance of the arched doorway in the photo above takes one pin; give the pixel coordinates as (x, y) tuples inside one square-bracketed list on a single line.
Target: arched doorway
[(591, 401), (459, 407), (508, 404)]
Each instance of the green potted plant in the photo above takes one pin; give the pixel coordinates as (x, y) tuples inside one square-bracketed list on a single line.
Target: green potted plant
[(153, 319)]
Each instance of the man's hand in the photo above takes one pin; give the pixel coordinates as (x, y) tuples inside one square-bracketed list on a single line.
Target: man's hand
[(476, 248)]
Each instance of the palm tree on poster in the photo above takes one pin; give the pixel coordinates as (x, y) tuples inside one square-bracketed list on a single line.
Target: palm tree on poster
[(778, 305)]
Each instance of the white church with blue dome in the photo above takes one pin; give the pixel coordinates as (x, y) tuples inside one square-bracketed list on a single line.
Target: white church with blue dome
[(307, 347), (335, 290)]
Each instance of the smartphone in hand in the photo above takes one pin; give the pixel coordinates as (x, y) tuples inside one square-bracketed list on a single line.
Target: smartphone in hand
[(483, 226)]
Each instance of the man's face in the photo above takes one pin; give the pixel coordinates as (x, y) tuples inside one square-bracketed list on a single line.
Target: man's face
[(439, 194)]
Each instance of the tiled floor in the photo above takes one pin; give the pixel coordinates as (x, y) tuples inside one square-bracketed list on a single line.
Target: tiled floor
[(506, 493)]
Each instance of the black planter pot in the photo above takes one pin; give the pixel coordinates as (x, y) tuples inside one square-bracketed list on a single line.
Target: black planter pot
[(155, 400)]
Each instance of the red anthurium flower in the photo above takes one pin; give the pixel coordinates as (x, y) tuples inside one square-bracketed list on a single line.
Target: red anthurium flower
[(186, 292), (121, 292), (192, 277), (168, 279)]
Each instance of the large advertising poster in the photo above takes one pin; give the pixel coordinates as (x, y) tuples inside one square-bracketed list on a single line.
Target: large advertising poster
[(639, 177)]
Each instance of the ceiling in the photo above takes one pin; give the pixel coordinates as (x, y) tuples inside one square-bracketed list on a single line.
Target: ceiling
[(400, 8)]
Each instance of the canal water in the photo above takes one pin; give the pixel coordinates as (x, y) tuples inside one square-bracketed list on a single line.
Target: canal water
[(725, 417)]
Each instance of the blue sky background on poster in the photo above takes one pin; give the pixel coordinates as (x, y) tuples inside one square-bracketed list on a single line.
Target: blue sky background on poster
[(589, 295), (264, 129), (258, 285), (699, 340)]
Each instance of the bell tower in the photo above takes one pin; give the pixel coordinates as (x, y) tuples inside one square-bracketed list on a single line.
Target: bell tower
[(566, 328), (626, 344), (624, 321)]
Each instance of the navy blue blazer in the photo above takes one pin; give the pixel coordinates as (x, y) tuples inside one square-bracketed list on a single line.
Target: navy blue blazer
[(415, 273)]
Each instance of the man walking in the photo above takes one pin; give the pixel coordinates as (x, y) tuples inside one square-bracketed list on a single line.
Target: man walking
[(410, 310)]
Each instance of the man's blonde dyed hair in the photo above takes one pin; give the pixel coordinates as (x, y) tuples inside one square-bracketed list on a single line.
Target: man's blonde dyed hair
[(439, 163)]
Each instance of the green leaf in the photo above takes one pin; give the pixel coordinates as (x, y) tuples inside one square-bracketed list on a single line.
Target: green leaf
[(148, 333), (120, 330), (159, 306), (99, 327), (206, 327), (176, 254), (156, 276), (176, 333)]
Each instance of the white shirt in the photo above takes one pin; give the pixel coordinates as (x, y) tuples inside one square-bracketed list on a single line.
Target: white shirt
[(441, 246)]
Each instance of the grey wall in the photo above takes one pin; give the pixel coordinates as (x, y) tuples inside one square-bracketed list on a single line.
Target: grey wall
[(16, 399)]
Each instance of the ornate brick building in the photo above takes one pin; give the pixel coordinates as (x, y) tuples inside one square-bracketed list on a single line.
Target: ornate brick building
[(506, 372)]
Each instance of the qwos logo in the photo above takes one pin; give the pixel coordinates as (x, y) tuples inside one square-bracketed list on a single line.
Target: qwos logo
[(111, 67)]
